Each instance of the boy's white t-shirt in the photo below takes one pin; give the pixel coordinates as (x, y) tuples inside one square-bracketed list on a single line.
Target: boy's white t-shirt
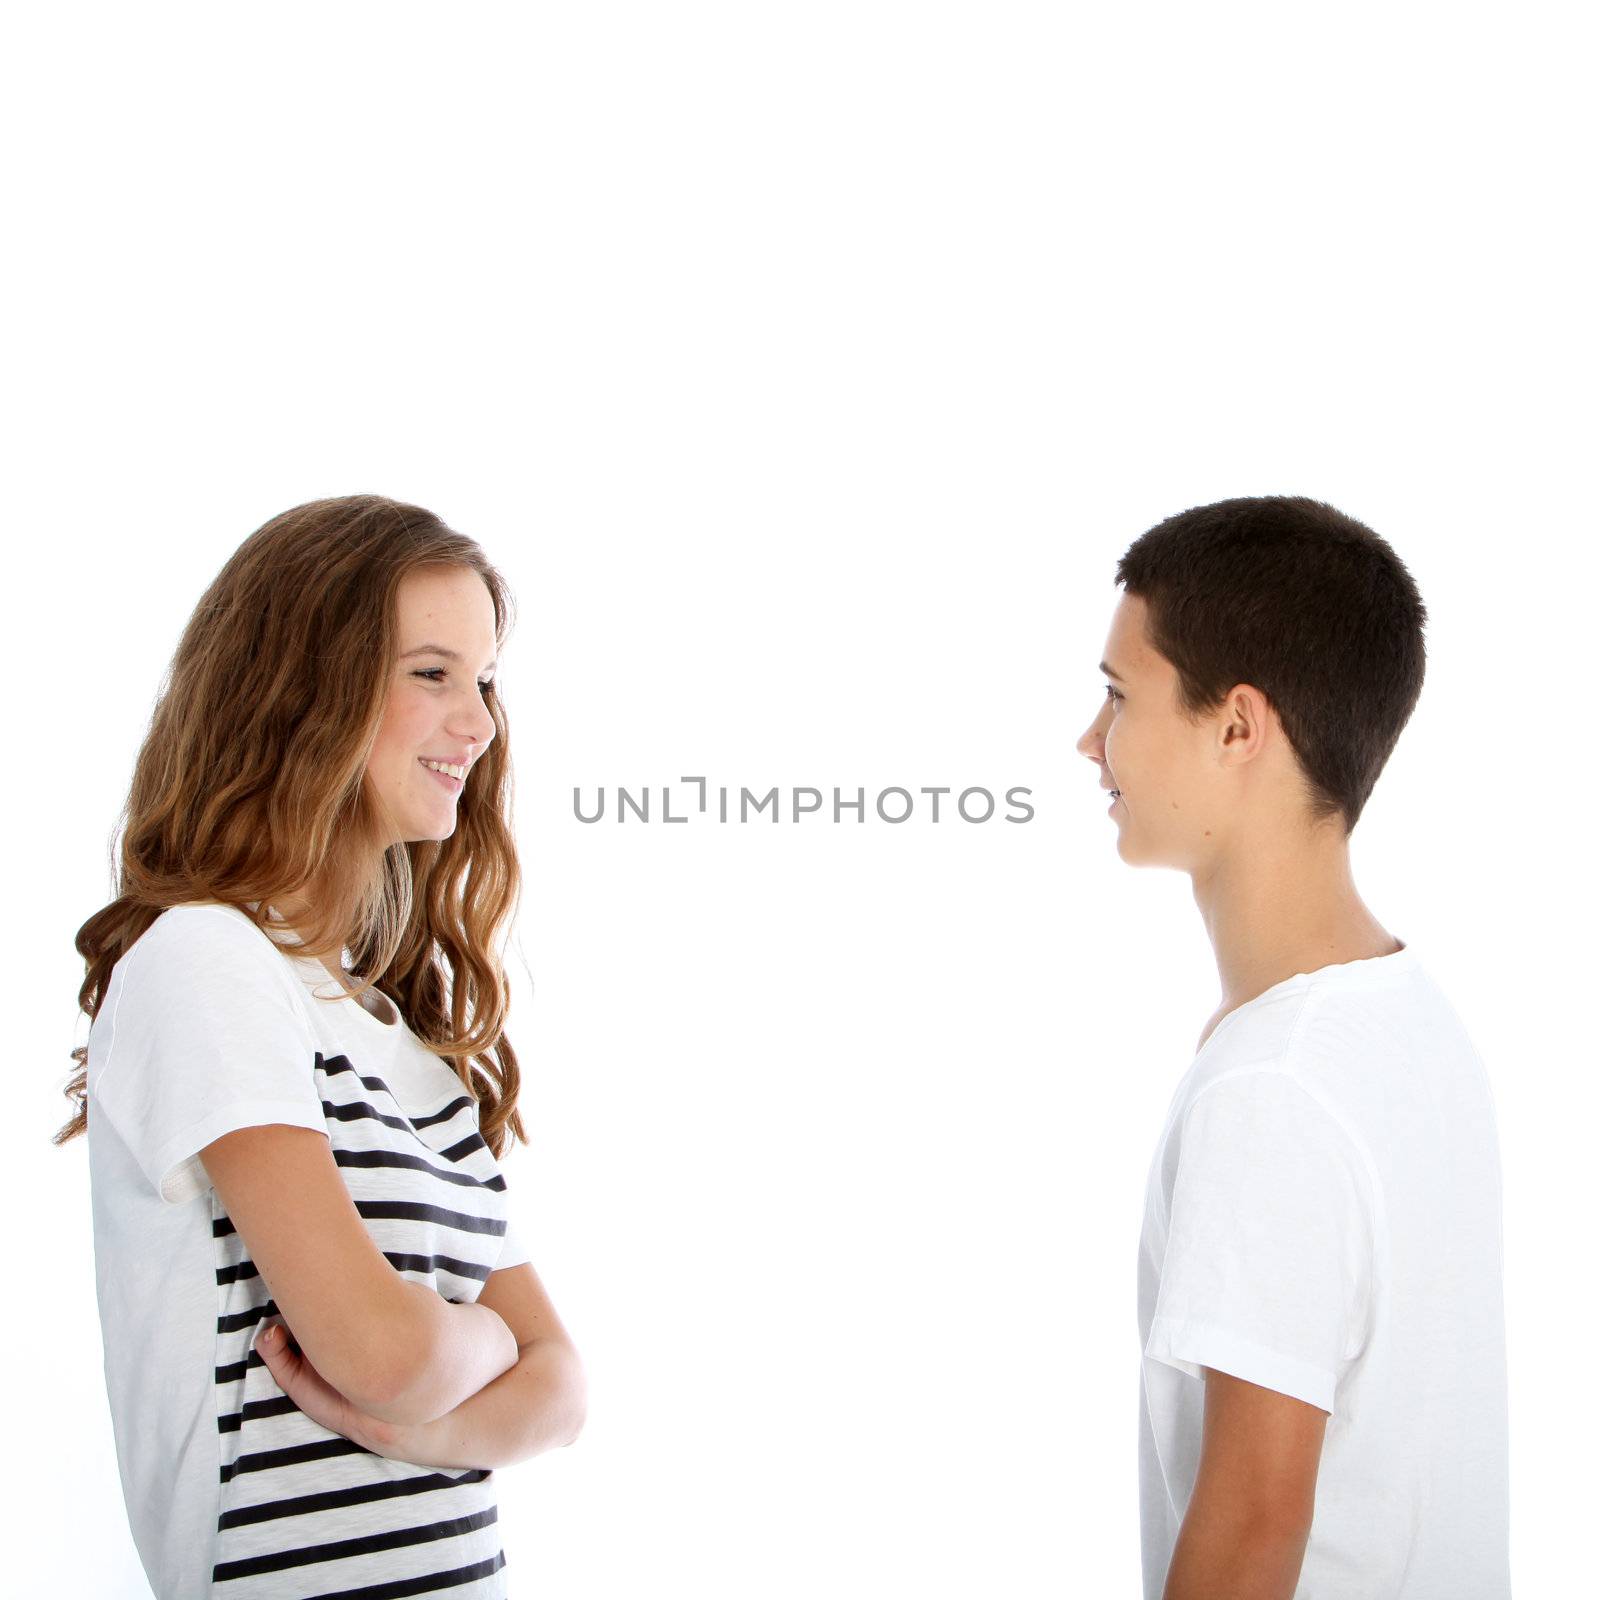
[(1323, 1218), (232, 1491)]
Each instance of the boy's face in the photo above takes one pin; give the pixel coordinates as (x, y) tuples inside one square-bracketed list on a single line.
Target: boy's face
[(1176, 795)]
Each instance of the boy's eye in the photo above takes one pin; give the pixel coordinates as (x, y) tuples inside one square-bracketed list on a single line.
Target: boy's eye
[(435, 674)]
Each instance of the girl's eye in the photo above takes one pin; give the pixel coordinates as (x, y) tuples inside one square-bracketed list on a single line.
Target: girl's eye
[(436, 674), (1112, 694)]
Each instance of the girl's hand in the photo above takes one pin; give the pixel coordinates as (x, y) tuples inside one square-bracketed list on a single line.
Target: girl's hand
[(320, 1401)]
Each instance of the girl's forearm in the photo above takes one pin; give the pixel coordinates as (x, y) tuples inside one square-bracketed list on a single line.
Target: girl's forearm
[(462, 1348), (538, 1404)]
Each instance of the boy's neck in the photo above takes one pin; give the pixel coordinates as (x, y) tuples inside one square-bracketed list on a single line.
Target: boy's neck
[(1272, 912)]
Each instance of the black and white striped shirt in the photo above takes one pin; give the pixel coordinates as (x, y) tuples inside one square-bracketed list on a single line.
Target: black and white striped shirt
[(231, 1490)]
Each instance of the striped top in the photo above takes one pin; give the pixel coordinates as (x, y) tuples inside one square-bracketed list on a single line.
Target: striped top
[(232, 1491)]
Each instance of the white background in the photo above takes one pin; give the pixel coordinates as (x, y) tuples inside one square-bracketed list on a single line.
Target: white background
[(807, 369)]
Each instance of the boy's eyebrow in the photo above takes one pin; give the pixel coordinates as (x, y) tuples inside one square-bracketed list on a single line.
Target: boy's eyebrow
[(1111, 672), (436, 650)]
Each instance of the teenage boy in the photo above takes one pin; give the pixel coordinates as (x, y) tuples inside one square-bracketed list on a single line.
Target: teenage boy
[(1323, 1395)]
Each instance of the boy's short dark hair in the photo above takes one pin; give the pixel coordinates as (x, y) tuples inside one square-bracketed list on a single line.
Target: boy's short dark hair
[(1303, 603)]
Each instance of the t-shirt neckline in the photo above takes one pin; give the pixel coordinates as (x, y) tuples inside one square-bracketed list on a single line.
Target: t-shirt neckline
[(310, 966), (1336, 973)]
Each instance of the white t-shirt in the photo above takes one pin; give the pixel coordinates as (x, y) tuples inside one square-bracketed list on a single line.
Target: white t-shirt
[(231, 1490), (1323, 1218)]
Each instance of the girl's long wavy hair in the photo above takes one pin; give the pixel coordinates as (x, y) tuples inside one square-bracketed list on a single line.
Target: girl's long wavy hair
[(251, 786)]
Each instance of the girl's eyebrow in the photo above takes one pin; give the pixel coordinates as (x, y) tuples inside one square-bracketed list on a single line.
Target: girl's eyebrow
[(439, 650), (1111, 672)]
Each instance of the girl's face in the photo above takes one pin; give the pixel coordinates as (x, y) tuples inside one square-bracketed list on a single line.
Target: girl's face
[(436, 707)]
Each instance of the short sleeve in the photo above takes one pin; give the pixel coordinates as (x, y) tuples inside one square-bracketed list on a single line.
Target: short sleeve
[(513, 1252), (203, 1034), (1268, 1266)]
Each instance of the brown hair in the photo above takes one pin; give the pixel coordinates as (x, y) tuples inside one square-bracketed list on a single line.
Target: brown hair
[(251, 785), (1303, 603)]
